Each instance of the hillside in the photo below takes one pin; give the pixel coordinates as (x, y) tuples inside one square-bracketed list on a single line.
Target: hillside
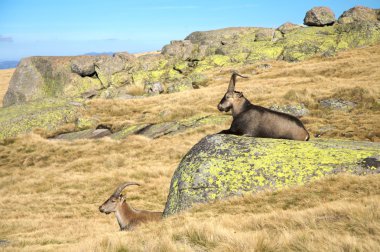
[(5, 77), (73, 128), (51, 189)]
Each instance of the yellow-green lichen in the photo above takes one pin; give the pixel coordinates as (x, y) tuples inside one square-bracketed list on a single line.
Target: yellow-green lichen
[(224, 165), (48, 114)]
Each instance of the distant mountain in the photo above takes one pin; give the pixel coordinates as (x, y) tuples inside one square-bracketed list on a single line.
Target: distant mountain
[(99, 53), (8, 64)]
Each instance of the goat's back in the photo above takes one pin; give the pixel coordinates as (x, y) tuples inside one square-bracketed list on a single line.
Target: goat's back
[(258, 121)]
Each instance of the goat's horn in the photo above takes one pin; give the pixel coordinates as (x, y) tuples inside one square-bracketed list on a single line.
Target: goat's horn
[(231, 86), (122, 186)]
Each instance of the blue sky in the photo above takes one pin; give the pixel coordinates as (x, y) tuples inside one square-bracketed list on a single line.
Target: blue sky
[(73, 27)]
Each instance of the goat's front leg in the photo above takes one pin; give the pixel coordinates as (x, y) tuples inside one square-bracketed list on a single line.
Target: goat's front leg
[(225, 132)]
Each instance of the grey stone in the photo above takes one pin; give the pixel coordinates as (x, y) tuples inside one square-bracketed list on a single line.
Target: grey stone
[(319, 16), (154, 88), (295, 110)]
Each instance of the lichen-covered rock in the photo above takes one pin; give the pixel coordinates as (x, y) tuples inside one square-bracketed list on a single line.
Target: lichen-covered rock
[(220, 166), (358, 14), (298, 110), (85, 134), (84, 66), (113, 70), (153, 88), (182, 85), (44, 77), (184, 49), (337, 104), (288, 27), (264, 34), (48, 114), (319, 16)]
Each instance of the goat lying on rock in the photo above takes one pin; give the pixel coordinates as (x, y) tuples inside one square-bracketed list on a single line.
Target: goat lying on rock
[(126, 216), (257, 121)]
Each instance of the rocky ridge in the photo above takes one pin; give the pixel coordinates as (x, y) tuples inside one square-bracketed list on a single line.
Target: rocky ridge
[(183, 63)]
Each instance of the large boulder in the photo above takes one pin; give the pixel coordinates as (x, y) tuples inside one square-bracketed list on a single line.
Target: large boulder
[(220, 166), (319, 16), (359, 14), (50, 77)]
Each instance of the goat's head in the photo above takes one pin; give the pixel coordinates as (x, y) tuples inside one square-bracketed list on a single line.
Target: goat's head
[(111, 204), (231, 96)]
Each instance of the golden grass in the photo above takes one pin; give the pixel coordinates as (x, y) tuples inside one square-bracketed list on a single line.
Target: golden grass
[(50, 190), (5, 77)]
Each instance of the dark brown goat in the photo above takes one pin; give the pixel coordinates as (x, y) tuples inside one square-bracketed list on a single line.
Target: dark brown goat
[(126, 216), (257, 121)]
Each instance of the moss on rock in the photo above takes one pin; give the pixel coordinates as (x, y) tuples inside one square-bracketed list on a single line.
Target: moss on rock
[(224, 165)]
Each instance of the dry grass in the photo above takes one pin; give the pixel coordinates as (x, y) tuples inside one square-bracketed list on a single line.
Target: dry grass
[(5, 77), (50, 190)]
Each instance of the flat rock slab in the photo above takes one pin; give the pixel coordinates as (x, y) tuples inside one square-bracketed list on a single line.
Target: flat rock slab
[(220, 166), (85, 134)]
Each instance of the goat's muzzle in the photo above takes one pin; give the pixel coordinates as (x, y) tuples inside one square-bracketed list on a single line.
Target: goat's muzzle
[(102, 210), (222, 109)]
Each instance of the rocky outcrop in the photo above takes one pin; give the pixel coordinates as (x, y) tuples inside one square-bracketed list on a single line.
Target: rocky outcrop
[(319, 16), (181, 62), (220, 166), (359, 14)]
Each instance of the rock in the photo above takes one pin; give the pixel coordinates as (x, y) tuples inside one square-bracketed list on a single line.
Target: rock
[(184, 49), (47, 77), (48, 114), (4, 243), (288, 27), (158, 130), (128, 130), (89, 94), (85, 134), (358, 14), (198, 79), (298, 110), (337, 104), (182, 85), (113, 70), (83, 123), (83, 66), (319, 16), (264, 34), (221, 166), (154, 88), (169, 128)]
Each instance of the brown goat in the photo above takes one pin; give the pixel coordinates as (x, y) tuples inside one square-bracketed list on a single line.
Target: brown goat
[(126, 216), (257, 121)]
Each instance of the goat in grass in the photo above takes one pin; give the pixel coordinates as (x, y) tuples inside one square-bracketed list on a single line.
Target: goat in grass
[(126, 216)]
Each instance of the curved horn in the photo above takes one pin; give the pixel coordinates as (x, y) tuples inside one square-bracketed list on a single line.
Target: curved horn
[(122, 186), (231, 86)]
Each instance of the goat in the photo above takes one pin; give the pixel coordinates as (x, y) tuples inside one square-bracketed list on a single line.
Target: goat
[(257, 121), (126, 216)]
